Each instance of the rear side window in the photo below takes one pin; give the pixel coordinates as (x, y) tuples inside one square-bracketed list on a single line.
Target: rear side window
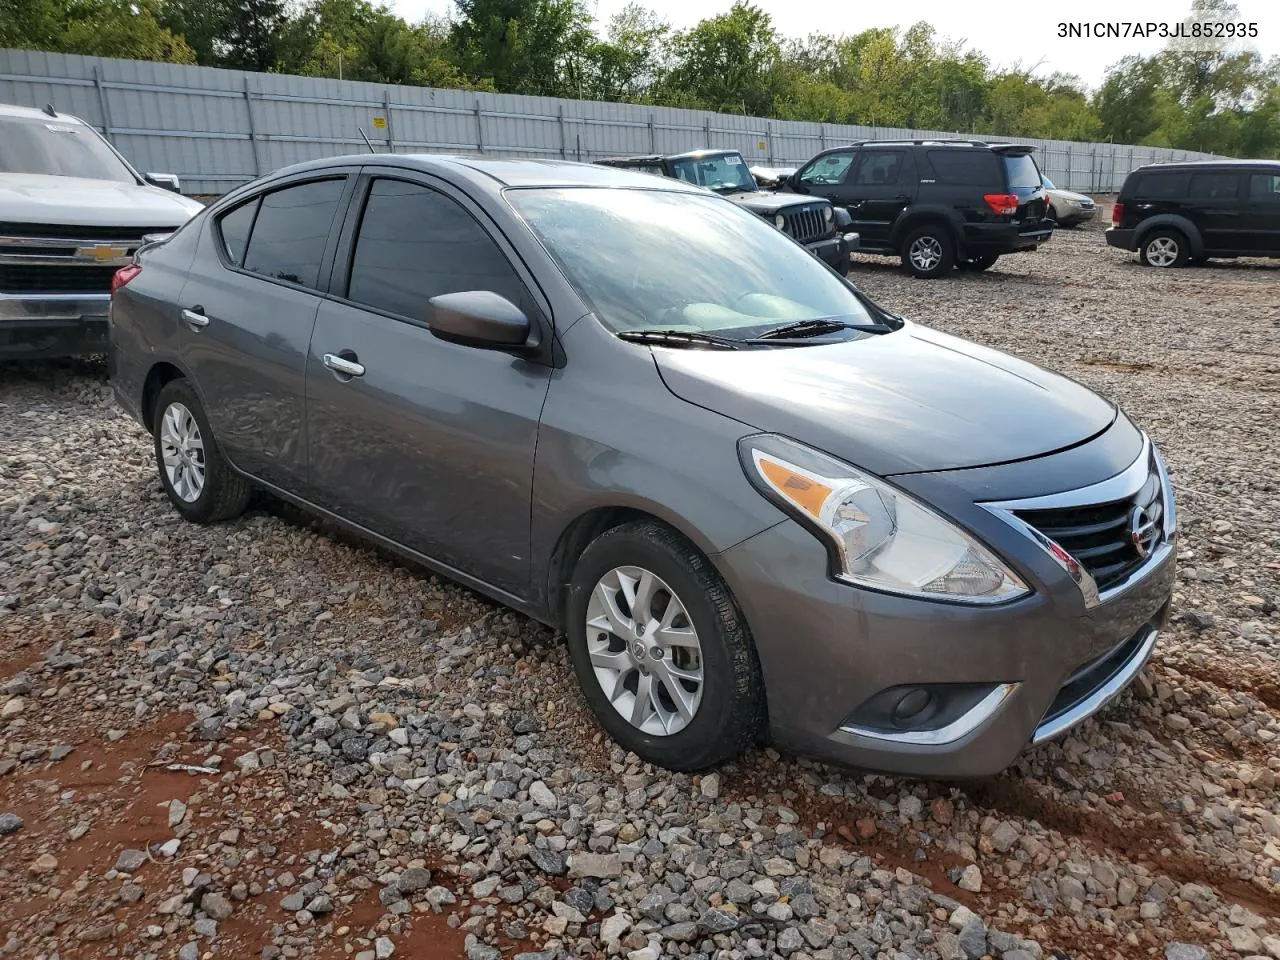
[(975, 168), (415, 244), (234, 228), (1215, 186), (1264, 188), (879, 168), (291, 231), (1162, 186), (1023, 172)]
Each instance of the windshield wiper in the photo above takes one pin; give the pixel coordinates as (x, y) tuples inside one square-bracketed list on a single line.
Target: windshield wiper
[(679, 338), (816, 328)]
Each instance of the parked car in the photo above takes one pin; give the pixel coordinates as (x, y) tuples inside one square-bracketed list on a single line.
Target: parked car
[(937, 204), (749, 496), (1179, 213), (771, 178), (1067, 208), (72, 212), (811, 222)]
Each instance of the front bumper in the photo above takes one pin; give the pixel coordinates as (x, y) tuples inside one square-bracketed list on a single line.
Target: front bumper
[(1034, 667), (835, 251), (36, 326)]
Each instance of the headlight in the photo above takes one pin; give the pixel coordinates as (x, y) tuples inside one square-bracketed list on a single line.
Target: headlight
[(878, 536), (827, 214), (780, 222)]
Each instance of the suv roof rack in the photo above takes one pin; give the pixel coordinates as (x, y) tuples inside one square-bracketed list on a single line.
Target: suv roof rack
[(923, 140)]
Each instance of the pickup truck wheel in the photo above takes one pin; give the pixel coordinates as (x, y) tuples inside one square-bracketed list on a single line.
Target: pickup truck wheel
[(929, 252), (1165, 248), (196, 477), (978, 263)]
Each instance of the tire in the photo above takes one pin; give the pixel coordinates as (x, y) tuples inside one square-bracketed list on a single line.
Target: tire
[(929, 252), (201, 484), (977, 264), (725, 711), (1164, 248)]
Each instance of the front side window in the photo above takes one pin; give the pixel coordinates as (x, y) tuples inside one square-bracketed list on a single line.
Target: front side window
[(59, 148), (657, 259), (1264, 188), (415, 243), (828, 170), (879, 168), (1215, 186), (291, 231), (723, 173)]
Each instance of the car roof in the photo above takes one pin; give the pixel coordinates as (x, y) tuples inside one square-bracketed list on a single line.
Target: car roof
[(32, 113), (660, 157), (487, 172), (1207, 164)]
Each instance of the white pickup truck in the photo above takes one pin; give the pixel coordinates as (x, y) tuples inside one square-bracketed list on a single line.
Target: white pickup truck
[(72, 212)]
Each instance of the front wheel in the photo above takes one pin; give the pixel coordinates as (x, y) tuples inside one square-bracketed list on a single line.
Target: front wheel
[(929, 252), (195, 475), (1165, 248), (660, 649)]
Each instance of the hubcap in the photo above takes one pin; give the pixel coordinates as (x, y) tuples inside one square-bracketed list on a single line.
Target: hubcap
[(1162, 252), (182, 452), (644, 651), (925, 253)]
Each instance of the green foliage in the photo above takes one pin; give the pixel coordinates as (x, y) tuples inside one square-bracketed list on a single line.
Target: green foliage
[(1225, 99)]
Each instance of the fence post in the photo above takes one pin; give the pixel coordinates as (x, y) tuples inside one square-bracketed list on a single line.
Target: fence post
[(1071, 183), (768, 141), (653, 135), (479, 129), (822, 137), (253, 133), (706, 132), (103, 105), (564, 146), (391, 127)]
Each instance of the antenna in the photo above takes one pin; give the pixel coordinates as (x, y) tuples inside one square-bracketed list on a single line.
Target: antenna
[(366, 140), (48, 108)]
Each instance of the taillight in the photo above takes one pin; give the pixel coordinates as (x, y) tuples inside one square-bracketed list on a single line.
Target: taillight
[(1004, 204), (1117, 214), (124, 275)]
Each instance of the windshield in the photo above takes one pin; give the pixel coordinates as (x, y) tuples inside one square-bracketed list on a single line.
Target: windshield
[(1023, 172), (660, 260), (1048, 184), (59, 148), (723, 173)]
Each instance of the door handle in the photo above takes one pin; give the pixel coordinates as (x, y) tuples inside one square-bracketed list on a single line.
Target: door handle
[(343, 366), (195, 319)]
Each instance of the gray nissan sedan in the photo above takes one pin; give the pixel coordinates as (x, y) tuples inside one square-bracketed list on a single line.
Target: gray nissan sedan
[(754, 501)]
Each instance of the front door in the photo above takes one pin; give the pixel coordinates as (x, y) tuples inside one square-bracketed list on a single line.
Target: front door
[(246, 313), (878, 189), (1261, 221), (426, 442), (825, 176)]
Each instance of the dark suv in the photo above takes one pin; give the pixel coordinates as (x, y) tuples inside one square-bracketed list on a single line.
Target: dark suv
[(812, 221), (935, 203), (1175, 213)]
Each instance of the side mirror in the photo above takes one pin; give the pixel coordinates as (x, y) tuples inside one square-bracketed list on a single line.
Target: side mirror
[(165, 181), (479, 318)]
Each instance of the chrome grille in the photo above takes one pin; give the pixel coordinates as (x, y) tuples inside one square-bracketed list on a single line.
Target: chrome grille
[(44, 278), (1100, 536), (62, 258), (806, 224)]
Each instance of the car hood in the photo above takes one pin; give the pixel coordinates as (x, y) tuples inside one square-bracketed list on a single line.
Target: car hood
[(904, 402), (766, 201), (76, 201), (1068, 195)]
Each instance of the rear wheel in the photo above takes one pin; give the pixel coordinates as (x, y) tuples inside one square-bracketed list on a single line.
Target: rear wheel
[(1165, 248), (660, 650), (978, 263), (198, 480), (929, 252)]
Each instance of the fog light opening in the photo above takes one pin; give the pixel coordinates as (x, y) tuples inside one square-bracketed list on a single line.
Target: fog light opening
[(911, 707)]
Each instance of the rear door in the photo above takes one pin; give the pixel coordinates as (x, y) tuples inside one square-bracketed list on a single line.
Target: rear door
[(877, 189), (1215, 199), (247, 309), (1156, 192), (1261, 221)]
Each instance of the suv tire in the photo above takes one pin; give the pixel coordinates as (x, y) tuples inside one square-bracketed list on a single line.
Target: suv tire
[(1165, 248), (978, 263), (929, 252), (196, 477), (708, 639)]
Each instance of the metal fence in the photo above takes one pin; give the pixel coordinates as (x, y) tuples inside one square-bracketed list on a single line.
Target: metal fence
[(219, 128)]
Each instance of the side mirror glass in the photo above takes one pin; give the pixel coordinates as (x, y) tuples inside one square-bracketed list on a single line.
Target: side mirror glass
[(165, 181), (478, 318)]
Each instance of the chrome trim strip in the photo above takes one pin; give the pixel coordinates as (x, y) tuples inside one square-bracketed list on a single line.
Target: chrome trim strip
[(1091, 704), (69, 243), (38, 260), (1120, 487), (53, 306), (957, 729)]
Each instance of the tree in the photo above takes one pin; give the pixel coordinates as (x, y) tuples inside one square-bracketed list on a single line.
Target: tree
[(728, 63), (524, 46), (111, 28), (252, 34)]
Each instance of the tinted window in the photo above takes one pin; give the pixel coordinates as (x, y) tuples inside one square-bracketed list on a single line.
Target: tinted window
[(829, 169), (967, 167), (1023, 172), (291, 231), (234, 227), (878, 168), (1264, 187), (1215, 186), (1162, 186), (415, 243)]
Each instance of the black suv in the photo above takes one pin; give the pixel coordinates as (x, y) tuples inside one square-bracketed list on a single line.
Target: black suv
[(935, 203), (810, 221), (1174, 213)]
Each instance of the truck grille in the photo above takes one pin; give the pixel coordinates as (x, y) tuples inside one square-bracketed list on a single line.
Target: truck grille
[(61, 231), (64, 258), (43, 278), (806, 224), (1101, 536)]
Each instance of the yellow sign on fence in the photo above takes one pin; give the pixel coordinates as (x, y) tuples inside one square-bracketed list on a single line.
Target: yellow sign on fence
[(379, 123)]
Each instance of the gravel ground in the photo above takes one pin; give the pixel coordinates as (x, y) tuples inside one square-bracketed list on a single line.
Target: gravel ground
[(266, 740)]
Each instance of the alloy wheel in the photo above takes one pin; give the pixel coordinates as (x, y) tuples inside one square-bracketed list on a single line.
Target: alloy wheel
[(644, 651), (1162, 252), (182, 450), (925, 252)]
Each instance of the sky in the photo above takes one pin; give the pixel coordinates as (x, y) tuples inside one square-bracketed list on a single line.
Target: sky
[(1010, 34)]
